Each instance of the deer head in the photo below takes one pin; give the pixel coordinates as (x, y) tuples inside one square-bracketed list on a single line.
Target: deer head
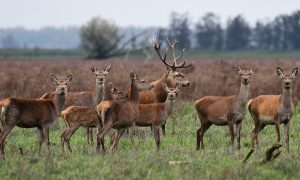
[(100, 75), (171, 92), (173, 70), (61, 84), (287, 79), (245, 74), (140, 83), (116, 93)]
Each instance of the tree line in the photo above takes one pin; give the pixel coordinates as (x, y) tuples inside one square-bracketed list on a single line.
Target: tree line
[(281, 33)]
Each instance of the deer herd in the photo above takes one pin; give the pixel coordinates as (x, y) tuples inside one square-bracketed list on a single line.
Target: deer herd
[(145, 104)]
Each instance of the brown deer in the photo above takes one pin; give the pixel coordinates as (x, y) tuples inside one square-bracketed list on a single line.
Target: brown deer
[(156, 114), (171, 78), (33, 113), (224, 110), (274, 109), (120, 115), (76, 116), (86, 98)]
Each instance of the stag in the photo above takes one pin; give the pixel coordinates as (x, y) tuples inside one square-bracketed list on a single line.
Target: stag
[(33, 113), (86, 98), (274, 109), (171, 78), (224, 110)]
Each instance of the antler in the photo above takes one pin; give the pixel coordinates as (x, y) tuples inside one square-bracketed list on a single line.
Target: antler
[(157, 46)]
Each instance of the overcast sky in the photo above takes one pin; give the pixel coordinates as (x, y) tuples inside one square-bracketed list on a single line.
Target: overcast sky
[(34, 14)]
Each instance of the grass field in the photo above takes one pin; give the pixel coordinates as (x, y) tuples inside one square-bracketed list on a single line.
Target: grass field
[(140, 160)]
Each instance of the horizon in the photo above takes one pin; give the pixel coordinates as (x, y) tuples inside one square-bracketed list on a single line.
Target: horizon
[(37, 15)]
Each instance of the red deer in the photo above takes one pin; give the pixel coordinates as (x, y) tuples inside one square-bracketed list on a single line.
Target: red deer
[(86, 98), (171, 78), (156, 114), (274, 109), (224, 110), (33, 113), (76, 116), (120, 115)]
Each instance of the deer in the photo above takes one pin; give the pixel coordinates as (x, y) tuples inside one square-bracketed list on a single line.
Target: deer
[(120, 115), (34, 113), (171, 78), (86, 98), (77, 116), (156, 114), (274, 109), (224, 110)]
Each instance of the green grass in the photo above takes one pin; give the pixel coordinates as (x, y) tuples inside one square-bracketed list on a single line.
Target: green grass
[(140, 160)]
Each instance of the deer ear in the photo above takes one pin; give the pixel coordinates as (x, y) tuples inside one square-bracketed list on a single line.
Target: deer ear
[(69, 78), (53, 78), (178, 87), (111, 86), (165, 87), (93, 69), (133, 75), (252, 70), (237, 68), (107, 69), (295, 71), (279, 72)]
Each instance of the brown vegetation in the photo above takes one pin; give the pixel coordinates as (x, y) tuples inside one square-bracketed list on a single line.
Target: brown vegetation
[(30, 79)]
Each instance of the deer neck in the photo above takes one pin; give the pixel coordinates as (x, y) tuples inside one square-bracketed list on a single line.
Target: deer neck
[(99, 93), (107, 94), (242, 98), (59, 102), (286, 100), (160, 93), (169, 105), (134, 93)]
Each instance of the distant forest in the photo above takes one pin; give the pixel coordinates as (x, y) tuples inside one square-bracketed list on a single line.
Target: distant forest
[(280, 33)]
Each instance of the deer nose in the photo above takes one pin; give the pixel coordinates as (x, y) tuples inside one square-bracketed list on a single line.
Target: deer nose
[(62, 88)]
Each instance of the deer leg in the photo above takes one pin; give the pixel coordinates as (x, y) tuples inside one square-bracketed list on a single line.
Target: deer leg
[(119, 134), (101, 134), (88, 135), (132, 134), (255, 134), (287, 129), (68, 136), (46, 136), (156, 137), (260, 128), (230, 125), (201, 131), (113, 137), (62, 139), (91, 135), (163, 128), (40, 138), (277, 130), (5, 131), (199, 137), (238, 134)]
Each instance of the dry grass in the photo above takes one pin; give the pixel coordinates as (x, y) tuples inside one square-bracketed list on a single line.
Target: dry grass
[(30, 79)]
